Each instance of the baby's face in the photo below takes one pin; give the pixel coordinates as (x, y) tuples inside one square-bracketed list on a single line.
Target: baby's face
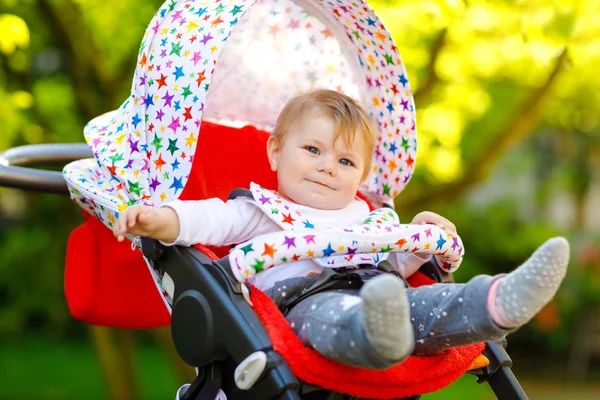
[(314, 171)]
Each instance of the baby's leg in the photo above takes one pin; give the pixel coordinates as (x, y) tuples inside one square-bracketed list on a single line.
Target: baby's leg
[(447, 315), (369, 331), (517, 297), (451, 314)]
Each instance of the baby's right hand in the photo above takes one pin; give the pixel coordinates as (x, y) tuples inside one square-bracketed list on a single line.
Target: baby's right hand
[(136, 220)]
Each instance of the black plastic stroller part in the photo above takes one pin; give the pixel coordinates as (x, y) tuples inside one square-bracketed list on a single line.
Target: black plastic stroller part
[(153, 250), (14, 175), (330, 279), (206, 385), (432, 270), (498, 373), (212, 323)]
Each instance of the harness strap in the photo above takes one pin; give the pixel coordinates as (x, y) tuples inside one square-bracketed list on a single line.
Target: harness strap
[(330, 279), (239, 192), (340, 279)]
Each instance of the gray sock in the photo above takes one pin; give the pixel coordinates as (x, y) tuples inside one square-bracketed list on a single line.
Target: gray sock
[(522, 293), (386, 317)]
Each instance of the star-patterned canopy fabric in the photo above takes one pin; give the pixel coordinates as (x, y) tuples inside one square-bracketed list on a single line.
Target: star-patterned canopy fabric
[(238, 62)]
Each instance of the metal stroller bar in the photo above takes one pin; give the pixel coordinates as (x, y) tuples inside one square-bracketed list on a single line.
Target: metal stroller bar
[(498, 373), (12, 163)]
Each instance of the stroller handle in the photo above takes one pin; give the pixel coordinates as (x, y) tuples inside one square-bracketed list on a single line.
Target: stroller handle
[(13, 162)]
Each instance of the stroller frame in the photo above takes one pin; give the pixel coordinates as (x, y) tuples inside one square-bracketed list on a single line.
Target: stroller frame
[(213, 326)]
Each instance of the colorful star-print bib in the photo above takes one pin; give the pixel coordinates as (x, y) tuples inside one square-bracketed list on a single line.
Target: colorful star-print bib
[(370, 242), (287, 215)]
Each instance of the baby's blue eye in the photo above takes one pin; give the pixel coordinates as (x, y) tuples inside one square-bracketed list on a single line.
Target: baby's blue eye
[(345, 161), (312, 149)]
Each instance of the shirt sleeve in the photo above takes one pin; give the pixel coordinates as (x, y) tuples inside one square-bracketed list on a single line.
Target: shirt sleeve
[(214, 222), (407, 263)]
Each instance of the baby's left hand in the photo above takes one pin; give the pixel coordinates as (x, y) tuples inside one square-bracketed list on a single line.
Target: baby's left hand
[(428, 217)]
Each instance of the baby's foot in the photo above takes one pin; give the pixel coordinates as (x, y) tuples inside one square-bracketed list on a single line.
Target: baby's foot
[(386, 317), (520, 295)]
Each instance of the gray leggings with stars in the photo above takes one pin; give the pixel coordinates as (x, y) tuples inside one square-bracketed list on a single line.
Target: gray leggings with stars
[(442, 316)]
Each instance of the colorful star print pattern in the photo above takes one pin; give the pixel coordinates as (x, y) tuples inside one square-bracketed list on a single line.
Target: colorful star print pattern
[(145, 149), (98, 197), (371, 242), (277, 50)]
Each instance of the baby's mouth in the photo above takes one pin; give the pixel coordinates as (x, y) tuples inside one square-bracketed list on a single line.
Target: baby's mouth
[(321, 184)]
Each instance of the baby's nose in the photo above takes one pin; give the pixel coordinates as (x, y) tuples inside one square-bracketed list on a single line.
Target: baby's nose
[(327, 166)]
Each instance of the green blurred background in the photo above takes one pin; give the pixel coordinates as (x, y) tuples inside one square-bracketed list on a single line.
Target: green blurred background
[(507, 96)]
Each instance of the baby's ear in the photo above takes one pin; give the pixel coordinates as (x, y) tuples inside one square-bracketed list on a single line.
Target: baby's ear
[(273, 151)]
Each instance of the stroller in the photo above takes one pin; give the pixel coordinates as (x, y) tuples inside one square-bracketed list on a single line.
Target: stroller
[(161, 144)]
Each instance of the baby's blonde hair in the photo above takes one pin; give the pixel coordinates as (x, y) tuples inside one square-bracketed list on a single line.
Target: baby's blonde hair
[(348, 116)]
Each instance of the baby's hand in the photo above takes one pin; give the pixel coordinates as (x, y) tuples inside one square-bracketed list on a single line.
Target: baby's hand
[(428, 217), (137, 220)]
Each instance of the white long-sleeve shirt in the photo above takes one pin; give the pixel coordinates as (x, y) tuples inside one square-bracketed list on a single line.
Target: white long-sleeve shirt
[(214, 222)]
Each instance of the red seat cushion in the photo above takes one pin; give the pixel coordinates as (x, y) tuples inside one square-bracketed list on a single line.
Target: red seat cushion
[(416, 375)]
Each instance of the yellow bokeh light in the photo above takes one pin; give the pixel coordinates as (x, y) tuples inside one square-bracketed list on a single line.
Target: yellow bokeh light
[(543, 52), (478, 102), (443, 163), (468, 96), (513, 47), (13, 33), (449, 65), (418, 57), (485, 59), (22, 99), (444, 122), (482, 17)]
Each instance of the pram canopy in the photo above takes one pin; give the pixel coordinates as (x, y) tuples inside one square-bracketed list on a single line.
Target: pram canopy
[(238, 64)]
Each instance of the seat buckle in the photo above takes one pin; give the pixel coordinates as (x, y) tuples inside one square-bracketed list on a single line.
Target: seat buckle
[(248, 371), (246, 293)]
